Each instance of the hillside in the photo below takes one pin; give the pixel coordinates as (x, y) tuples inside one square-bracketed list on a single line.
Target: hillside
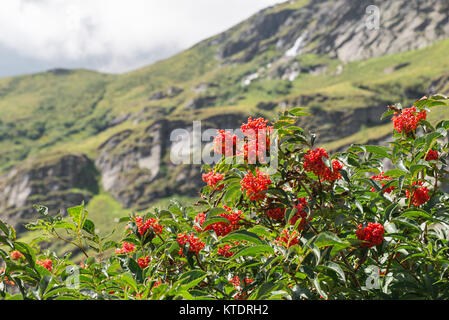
[(74, 135)]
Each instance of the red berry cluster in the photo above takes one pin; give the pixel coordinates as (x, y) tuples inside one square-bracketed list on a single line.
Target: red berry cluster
[(372, 234), (237, 283), (6, 280), (254, 185), (254, 125), (150, 223), (276, 213), (195, 244), (313, 162), (225, 143), (16, 255), (47, 264), (432, 155), (420, 195), (144, 262), (288, 239), (127, 247), (300, 214), (381, 177), (225, 250), (408, 119), (212, 179), (221, 228), (258, 139)]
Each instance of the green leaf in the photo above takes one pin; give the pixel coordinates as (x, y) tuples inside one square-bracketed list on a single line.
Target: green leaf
[(232, 192), (283, 197), (327, 238), (191, 279), (243, 235), (407, 222), (411, 213), (253, 251), (64, 225), (395, 173), (379, 150), (78, 215), (316, 284), (289, 214), (89, 227), (27, 251), (387, 113), (4, 228), (265, 289), (416, 168), (260, 230), (41, 270), (392, 208), (335, 267)]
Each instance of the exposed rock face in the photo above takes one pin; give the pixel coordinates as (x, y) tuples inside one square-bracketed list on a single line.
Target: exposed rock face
[(138, 169), (58, 183), (201, 102), (169, 93), (345, 29), (133, 167)]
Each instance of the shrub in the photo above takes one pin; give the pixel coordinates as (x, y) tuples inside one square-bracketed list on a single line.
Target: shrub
[(322, 226)]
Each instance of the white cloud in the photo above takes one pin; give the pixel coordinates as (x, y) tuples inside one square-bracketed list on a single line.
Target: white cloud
[(115, 35)]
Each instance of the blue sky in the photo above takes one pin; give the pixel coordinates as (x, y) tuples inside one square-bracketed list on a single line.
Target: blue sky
[(111, 36)]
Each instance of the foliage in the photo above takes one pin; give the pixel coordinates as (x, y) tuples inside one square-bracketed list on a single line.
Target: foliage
[(320, 227)]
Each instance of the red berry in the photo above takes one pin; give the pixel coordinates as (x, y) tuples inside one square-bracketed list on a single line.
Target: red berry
[(47, 264), (276, 213), (254, 185), (313, 162), (300, 214), (221, 228), (408, 120), (16, 255), (420, 195), (127, 247), (212, 179), (150, 223), (288, 239), (432, 155), (381, 177), (195, 244), (258, 139), (225, 143), (372, 234), (144, 262)]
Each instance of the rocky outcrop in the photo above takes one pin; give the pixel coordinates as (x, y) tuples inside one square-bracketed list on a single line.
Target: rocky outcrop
[(58, 183), (345, 29), (133, 164), (138, 168), (201, 102), (168, 93)]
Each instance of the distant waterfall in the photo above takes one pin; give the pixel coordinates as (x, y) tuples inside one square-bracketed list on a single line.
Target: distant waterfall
[(296, 49)]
